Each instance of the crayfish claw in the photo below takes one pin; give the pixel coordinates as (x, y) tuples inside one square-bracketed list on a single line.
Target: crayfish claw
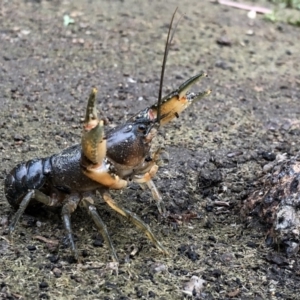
[(178, 100), (93, 140), (93, 144), (193, 97), (91, 111), (183, 88)]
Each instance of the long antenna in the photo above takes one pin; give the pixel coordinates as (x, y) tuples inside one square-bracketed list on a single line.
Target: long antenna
[(163, 67)]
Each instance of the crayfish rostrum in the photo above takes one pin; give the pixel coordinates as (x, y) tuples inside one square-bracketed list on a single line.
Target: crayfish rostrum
[(103, 161)]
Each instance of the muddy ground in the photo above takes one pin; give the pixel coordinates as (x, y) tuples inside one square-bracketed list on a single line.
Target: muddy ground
[(217, 148)]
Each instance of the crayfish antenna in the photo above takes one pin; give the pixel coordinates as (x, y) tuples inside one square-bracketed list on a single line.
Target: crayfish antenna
[(169, 107), (93, 141), (163, 67)]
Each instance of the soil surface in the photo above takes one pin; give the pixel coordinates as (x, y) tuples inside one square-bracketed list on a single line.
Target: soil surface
[(53, 52)]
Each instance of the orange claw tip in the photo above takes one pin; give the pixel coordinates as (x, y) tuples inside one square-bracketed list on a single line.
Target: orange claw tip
[(92, 124)]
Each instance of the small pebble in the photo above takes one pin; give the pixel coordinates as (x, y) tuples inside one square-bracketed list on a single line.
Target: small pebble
[(224, 41), (194, 286), (222, 65), (288, 52), (269, 156), (217, 273), (57, 272), (18, 137), (43, 285), (54, 258), (151, 294), (97, 243), (31, 248)]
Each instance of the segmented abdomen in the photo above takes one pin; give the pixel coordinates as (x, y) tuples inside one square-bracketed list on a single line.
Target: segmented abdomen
[(24, 177)]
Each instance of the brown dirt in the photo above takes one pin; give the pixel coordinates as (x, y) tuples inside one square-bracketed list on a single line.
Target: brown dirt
[(217, 148)]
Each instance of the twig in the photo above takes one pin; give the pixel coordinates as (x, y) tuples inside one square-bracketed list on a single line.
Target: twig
[(45, 240), (221, 203), (257, 9)]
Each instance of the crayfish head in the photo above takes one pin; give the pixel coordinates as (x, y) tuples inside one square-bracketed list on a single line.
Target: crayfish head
[(129, 144)]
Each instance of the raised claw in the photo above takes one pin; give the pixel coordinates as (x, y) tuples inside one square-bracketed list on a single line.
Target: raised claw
[(93, 144), (177, 101), (93, 140)]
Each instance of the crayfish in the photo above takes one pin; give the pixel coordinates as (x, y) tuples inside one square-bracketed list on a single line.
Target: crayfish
[(103, 161)]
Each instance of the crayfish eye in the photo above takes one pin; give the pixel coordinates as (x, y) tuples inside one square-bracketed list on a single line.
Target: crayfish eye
[(142, 127)]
